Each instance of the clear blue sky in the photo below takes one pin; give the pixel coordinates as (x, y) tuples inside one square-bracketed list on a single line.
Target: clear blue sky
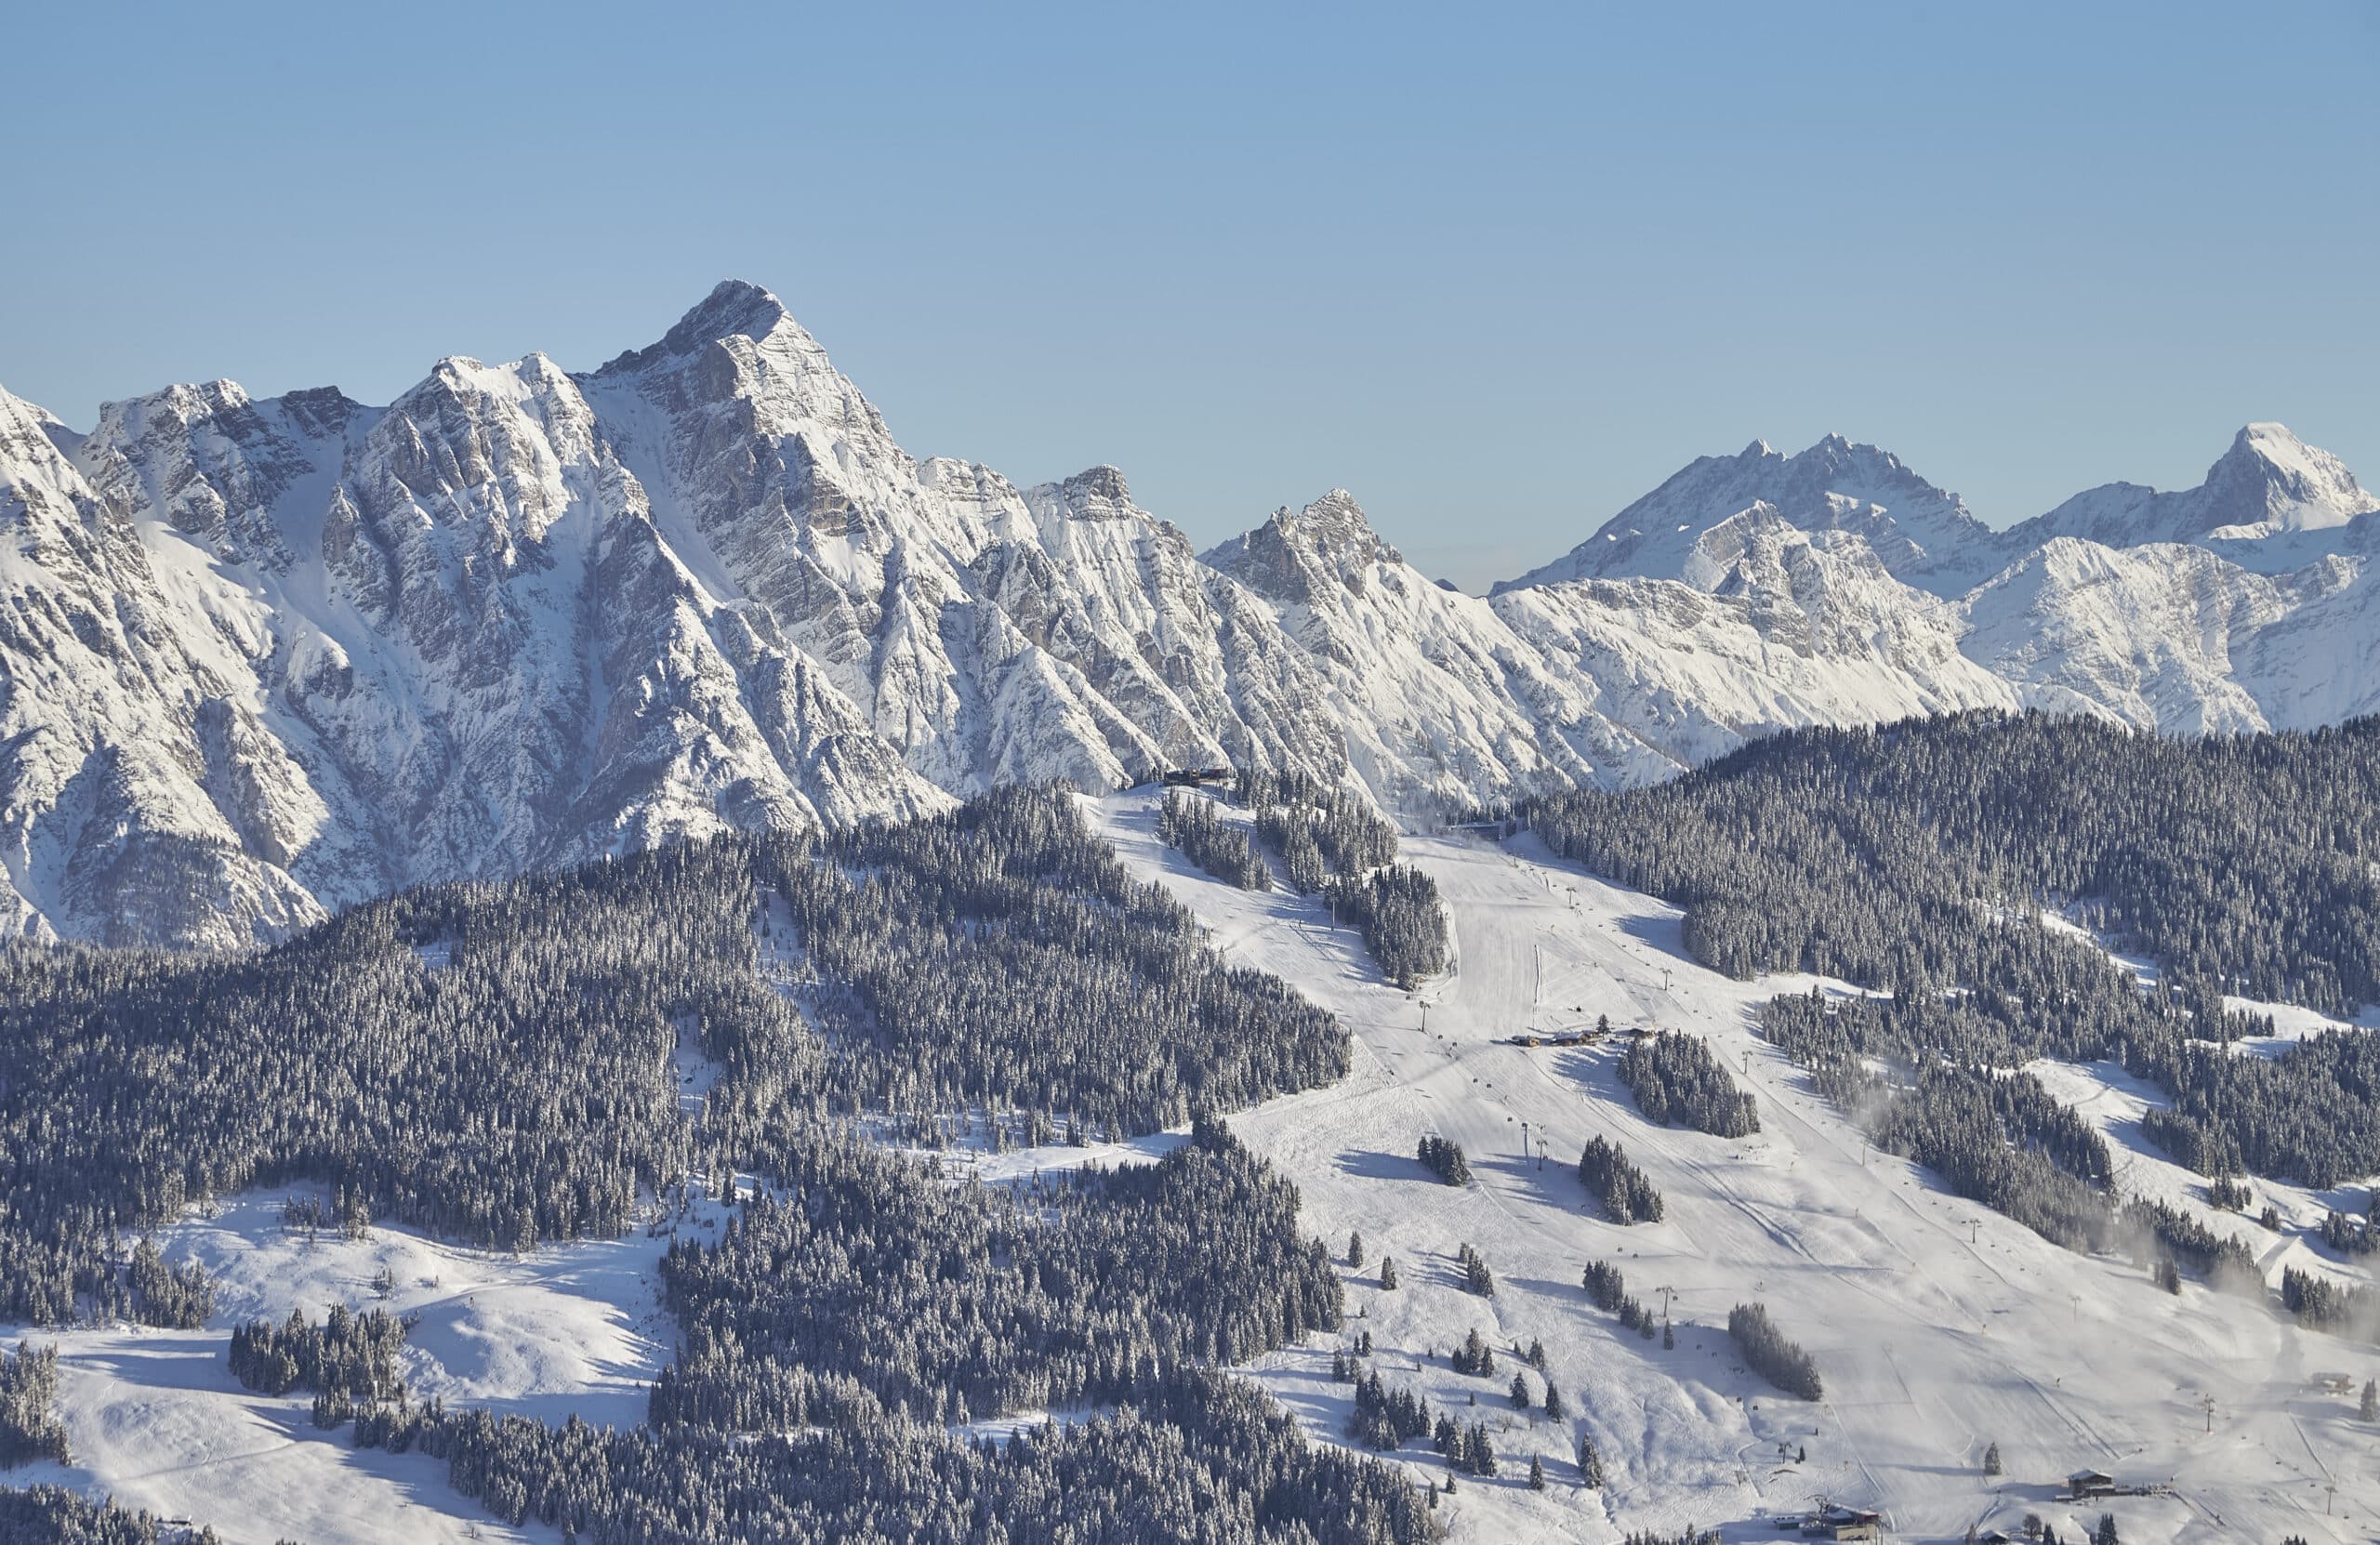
[(1497, 270)]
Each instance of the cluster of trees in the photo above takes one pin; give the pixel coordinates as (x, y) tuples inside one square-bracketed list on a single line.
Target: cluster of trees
[(1918, 857), (2228, 1195), (2348, 1235), (1397, 911), (1201, 1458), (354, 1355), (1476, 1277), (179, 1297), (1318, 829), (1626, 1195), (1466, 1449), (1443, 1158), (1769, 1354), (2156, 1226), (1608, 1290), (55, 1515), (861, 1280), (2327, 1306), (1188, 821), (29, 1429), (1678, 1083), (1475, 1356), (1384, 1417)]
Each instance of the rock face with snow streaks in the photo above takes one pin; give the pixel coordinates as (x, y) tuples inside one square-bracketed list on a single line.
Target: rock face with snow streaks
[(263, 657)]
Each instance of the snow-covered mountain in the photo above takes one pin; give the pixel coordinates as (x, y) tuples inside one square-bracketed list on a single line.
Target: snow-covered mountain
[(260, 658), (1687, 528), (2270, 487)]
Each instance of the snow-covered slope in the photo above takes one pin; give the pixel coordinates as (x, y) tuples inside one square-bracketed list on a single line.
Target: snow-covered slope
[(1939, 1327), (261, 658)]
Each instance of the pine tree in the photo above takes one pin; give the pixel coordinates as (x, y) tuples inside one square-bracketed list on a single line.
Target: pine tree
[(2370, 1407), (1590, 1463), (1991, 1460), (1557, 1408), (1388, 1272), (1536, 1474), (1520, 1392), (1356, 1249), (2106, 1533)]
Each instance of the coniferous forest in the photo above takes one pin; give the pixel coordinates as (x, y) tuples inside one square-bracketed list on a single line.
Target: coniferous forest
[(29, 1429), (497, 1063), (53, 1515), (1918, 858)]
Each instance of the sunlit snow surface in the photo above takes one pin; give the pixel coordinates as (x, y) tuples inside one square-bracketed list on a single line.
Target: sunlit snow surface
[(1939, 1326), (156, 1417)]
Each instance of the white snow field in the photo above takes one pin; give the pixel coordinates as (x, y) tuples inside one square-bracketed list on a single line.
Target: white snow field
[(155, 1419), (1939, 1326)]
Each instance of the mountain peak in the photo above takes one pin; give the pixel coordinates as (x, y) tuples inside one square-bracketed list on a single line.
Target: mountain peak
[(1094, 494), (1289, 555), (2271, 478), (2267, 484), (1335, 524), (733, 308), (1925, 535)]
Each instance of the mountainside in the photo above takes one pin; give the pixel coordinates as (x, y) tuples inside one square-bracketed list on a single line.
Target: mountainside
[(263, 658)]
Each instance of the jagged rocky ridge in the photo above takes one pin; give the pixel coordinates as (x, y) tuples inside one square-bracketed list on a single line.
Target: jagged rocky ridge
[(263, 658)]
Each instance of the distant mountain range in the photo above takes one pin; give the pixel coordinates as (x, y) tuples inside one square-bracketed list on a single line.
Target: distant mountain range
[(262, 658)]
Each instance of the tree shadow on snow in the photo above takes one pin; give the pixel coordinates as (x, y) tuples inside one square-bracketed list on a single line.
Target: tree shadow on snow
[(1374, 1166)]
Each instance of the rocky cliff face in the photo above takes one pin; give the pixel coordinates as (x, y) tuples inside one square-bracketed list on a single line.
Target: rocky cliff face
[(262, 658)]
